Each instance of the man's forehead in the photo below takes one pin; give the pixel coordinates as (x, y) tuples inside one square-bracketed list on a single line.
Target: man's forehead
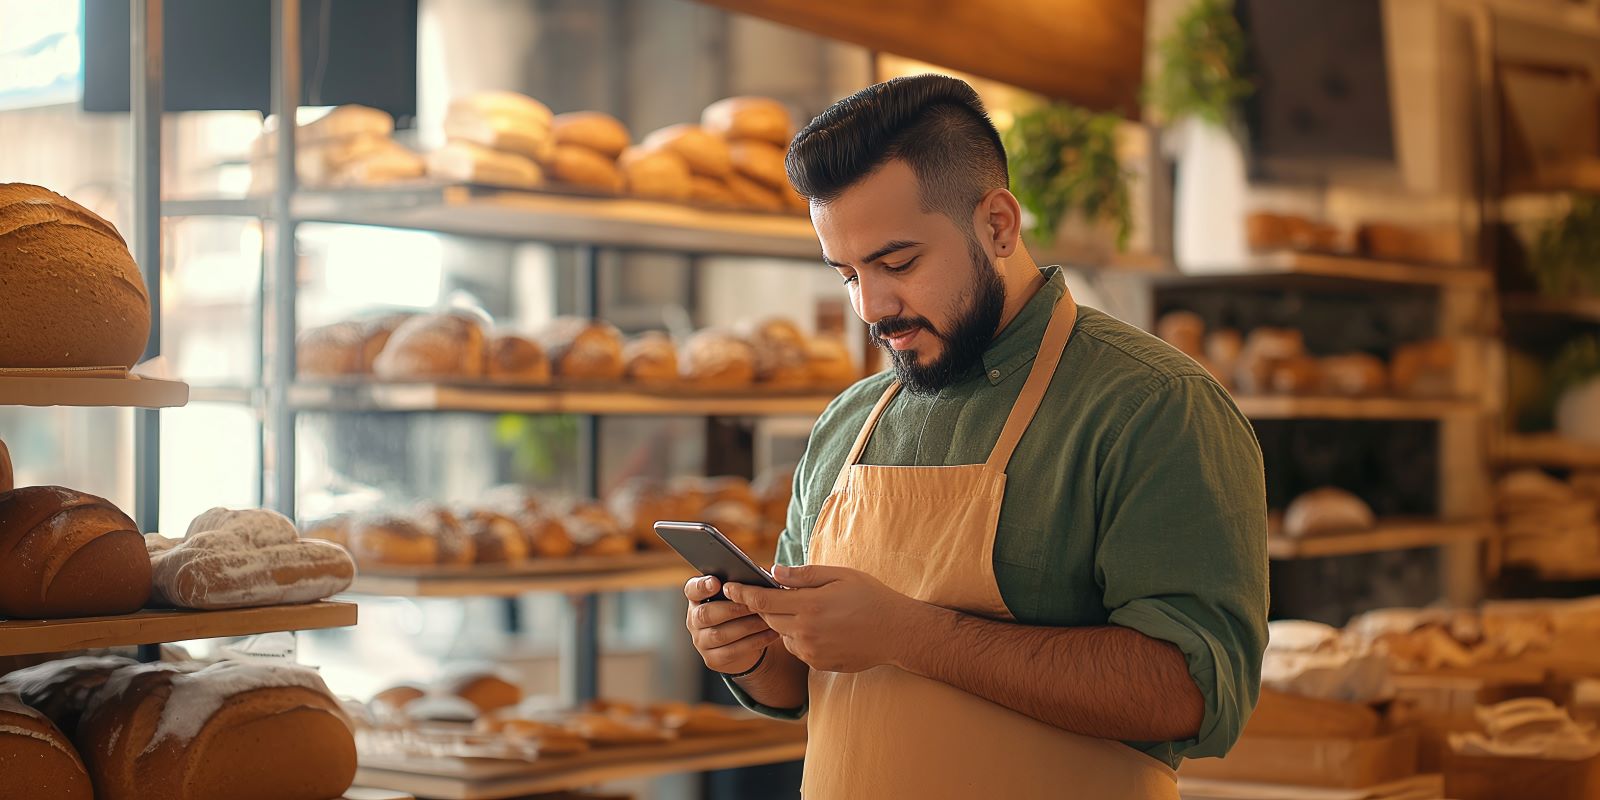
[(885, 206)]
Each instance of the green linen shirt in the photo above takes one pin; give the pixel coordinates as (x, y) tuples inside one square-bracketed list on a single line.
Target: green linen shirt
[(1136, 497)]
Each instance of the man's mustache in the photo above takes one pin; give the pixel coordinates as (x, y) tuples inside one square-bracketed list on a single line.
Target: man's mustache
[(895, 326)]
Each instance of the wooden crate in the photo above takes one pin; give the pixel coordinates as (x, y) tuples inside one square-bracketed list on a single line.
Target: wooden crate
[(1333, 762)]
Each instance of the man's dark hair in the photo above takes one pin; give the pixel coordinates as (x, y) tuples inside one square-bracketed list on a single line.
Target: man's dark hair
[(936, 124)]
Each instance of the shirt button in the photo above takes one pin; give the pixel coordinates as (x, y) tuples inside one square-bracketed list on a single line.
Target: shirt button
[(994, 374)]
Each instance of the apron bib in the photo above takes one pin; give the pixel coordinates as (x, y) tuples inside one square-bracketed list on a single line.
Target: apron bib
[(928, 532)]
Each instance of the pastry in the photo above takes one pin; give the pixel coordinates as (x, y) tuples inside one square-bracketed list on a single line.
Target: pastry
[(701, 720), (580, 166), (74, 297), (36, 758), (717, 360), (68, 554), (1423, 369), (389, 540), (61, 689), (503, 121), (690, 493), (584, 350), (496, 538), (473, 163), (388, 163), (780, 353), (1326, 510), (432, 346), (830, 363), (656, 174), (752, 194), (651, 359), (514, 359), (455, 546), (484, 689), (7, 477), (375, 334), (705, 153), (638, 505), (601, 133), (757, 118), (712, 192), (1301, 375), (730, 489), (1263, 349), (596, 532), (761, 162), (1184, 330), (741, 525), (602, 730), (239, 559), (547, 536), (330, 351), (1355, 375)]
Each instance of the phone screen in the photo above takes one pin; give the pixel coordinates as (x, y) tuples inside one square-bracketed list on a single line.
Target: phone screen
[(707, 550)]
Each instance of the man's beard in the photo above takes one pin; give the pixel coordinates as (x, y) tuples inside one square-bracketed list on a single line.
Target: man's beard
[(965, 340)]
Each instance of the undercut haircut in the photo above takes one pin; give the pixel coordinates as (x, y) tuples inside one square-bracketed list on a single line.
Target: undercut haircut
[(935, 124)]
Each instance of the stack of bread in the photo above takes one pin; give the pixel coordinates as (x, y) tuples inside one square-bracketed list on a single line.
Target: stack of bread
[(1275, 361), (349, 146), (111, 729), (732, 159), (497, 138), (73, 297), (1549, 524)]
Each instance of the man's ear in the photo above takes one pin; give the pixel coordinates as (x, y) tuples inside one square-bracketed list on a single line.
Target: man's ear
[(998, 223)]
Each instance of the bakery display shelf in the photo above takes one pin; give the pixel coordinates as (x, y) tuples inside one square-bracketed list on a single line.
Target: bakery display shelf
[(150, 626), (1546, 450), (62, 388), (1312, 270), (1578, 307), (497, 399), (580, 575), (1372, 408), (1389, 534), (475, 779), (233, 395)]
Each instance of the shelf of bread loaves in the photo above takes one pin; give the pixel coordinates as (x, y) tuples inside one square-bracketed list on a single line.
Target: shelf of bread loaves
[(1273, 376), (1545, 450), (1332, 522), (1550, 525), (456, 361), (473, 734), (514, 542)]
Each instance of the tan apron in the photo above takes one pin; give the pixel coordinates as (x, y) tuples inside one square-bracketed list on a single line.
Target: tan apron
[(928, 532)]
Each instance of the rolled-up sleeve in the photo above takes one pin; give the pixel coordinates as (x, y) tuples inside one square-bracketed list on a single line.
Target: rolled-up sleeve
[(1182, 552)]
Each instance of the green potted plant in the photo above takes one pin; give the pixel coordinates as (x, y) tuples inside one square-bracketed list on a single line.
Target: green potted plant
[(1202, 65), (1565, 256), (1065, 172), (1575, 383)]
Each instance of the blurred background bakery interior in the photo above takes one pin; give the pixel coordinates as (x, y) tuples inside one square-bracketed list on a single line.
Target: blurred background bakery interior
[(535, 277)]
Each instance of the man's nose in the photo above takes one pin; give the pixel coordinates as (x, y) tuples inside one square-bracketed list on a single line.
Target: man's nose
[(875, 300)]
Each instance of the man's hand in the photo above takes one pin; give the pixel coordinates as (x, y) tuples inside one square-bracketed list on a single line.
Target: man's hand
[(836, 619), (729, 636)]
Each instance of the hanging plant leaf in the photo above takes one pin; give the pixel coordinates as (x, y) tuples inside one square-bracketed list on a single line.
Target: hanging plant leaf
[(1064, 159), (1202, 61)]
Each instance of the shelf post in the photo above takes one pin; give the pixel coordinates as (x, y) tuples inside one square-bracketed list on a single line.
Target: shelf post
[(280, 418), (146, 103), (582, 653)]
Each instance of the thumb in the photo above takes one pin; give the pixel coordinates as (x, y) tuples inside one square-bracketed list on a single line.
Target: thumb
[(808, 576)]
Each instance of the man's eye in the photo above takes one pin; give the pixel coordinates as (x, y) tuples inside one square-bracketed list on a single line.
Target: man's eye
[(904, 265), (849, 279)]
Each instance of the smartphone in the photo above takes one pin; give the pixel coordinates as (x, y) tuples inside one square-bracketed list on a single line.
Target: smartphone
[(707, 550)]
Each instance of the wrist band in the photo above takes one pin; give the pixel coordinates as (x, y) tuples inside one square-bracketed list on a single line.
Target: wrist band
[(752, 669)]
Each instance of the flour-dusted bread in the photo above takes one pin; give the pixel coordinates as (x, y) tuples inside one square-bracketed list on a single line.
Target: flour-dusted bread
[(651, 359), (592, 130), (496, 538), (639, 504), (36, 758), (1355, 375), (375, 335), (392, 540), (253, 557), (70, 293), (517, 359), (1327, 510), (389, 162), (473, 163), (780, 352), (64, 553), (1184, 330), (1423, 369), (434, 346), (716, 360), (547, 535), (705, 153), (656, 174), (330, 351), (238, 730), (456, 547), (584, 349), (61, 689), (760, 119), (505, 122), (1264, 349)]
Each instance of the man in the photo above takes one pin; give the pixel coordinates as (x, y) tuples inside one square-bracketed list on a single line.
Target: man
[(1040, 569)]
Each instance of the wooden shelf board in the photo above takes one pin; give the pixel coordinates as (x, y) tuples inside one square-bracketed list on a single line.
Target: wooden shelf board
[(1546, 450), (1585, 308), (1373, 408), (27, 636), (1278, 267), (599, 766), (494, 399), (1394, 534), (231, 395), (574, 575), (129, 392)]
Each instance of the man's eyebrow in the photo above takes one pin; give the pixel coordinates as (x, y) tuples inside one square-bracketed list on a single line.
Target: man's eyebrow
[(896, 245)]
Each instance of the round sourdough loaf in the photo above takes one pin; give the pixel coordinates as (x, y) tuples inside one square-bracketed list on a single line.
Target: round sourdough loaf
[(36, 759), (64, 553)]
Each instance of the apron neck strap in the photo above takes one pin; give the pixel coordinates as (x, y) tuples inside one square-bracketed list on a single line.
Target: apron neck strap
[(1054, 343), (866, 433)]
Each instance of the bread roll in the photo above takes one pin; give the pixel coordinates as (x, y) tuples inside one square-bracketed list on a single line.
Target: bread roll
[(1326, 510), (758, 118), (651, 359), (656, 174), (389, 540), (375, 335), (780, 352), (496, 538), (1355, 375), (390, 162), (455, 546), (705, 153), (1423, 369), (343, 122), (1184, 330), (330, 351), (504, 121), (68, 554), (435, 707), (584, 350), (1263, 349), (753, 195), (761, 162), (712, 192), (1223, 348), (396, 698), (596, 532), (335, 529), (433, 346), (1301, 375), (830, 363), (603, 730), (484, 689), (240, 559), (638, 505), (546, 535), (718, 360), (553, 740), (472, 163), (602, 133), (690, 492), (318, 164), (730, 489), (514, 359), (36, 758), (238, 730), (580, 166), (61, 689), (73, 295)]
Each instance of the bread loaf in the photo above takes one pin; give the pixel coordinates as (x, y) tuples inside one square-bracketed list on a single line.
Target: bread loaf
[(390, 540), (602, 133), (830, 363), (61, 689), (389, 162), (375, 335), (761, 162), (335, 529), (233, 729), (1184, 330), (1435, 244), (330, 351), (730, 489), (546, 535), (1223, 348), (455, 545), (774, 490), (715, 360), (68, 554), (603, 730), (1300, 375), (504, 121), (584, 350), (1263, 350), (473, 163), (586, 168), (496, 538), (1355, 375), (656, 174), (396, 698), (36, 758), (73, 296), (1423, 369), (240, 559), (712, 192), (596, 532), (433, 346), (780, 353), (741, 525), (7, 477), (638, 505), (705, 153), (651, 359), (756, 118), (483, 688), (343, 122), (752, 194), (514, 359), (1326, 510)]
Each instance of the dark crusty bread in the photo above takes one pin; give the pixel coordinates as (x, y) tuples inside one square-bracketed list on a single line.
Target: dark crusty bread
[(61, 689), (36, 758), (64, 553)]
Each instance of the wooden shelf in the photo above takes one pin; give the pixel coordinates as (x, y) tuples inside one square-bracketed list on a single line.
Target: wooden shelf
[(1392, 534), (54, 390), (1369, 408), (232, 395), (1316, 270), (494, 399), (566, 575), (27, 636), (460, 779), (1546, 450), (1584, 308)]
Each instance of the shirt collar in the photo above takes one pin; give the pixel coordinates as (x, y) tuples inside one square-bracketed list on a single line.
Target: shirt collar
[(1017, 345)]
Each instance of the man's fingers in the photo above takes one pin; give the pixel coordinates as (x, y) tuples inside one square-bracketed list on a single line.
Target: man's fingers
[(728, 632), (808, 576), (706, 615), (761, 599), (701, 588)]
